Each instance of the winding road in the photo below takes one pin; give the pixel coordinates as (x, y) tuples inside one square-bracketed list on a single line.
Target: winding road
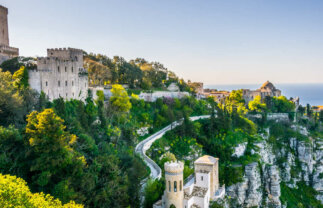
[(143, 146)]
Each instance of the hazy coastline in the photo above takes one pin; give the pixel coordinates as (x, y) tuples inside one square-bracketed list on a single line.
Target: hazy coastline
[(308, 93)]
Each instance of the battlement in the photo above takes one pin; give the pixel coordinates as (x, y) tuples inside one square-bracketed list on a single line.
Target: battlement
[(174, 167), (65, 53), (9, 50), (3, 9)]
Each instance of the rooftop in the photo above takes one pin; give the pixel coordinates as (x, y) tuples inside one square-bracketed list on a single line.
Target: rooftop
[(267, 85), (197, 192), (206, 159)]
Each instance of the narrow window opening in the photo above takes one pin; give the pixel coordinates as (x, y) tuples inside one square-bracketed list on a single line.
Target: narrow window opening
[(175, 186), (180, 185), (59, 83), (65, 83), (169, 186), (58, 68), (201, 178), (72, 83), (65, 69), (72, 69), (46, 83)]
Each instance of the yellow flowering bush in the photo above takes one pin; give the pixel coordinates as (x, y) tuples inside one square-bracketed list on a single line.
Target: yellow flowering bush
[(15, 193)]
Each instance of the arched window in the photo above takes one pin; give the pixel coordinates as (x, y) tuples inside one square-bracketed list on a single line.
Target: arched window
[(180, 185), (169, 186), (175, 186)]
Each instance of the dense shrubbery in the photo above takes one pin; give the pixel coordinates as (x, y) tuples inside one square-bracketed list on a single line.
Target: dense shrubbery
[(138, 73), (15, 193)]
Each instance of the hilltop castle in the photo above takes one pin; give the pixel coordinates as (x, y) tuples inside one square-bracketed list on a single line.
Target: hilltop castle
[(199, 189), (60, 74), (6, 52)]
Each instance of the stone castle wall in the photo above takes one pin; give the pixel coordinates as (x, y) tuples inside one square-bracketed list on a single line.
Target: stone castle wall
[(61, 74)]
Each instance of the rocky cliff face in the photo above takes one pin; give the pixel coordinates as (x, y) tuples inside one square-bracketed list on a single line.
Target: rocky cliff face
[(293, 160)]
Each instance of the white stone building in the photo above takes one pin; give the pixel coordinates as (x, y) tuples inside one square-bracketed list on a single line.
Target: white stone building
[(60, 74), (198, 191)]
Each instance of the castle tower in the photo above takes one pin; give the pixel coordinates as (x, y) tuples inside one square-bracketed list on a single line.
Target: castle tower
[(60, 75), (174, 194), (4, 37), (211, 165), (6, 52)]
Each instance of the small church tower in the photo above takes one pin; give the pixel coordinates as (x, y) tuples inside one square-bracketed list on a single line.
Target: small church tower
[(174, 193)]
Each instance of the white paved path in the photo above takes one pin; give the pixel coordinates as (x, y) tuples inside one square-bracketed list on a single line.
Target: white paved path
[(143, 146)]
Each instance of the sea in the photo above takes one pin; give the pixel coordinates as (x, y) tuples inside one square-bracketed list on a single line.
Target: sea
[(308, 93)]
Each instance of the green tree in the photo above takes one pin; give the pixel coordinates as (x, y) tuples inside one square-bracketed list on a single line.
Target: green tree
[(282, 105), (20, 78), (50, 148), (256, 104), (14, 192), (119, 100), (10, 100), (153, 191), (12, 152), (321, 116), (235, 102)]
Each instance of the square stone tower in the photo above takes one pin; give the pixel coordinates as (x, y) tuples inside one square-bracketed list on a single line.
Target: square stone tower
[(60, 74), (6, 52), (208, 164)]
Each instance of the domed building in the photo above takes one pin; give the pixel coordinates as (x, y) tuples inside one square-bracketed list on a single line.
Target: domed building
[(267, 89)]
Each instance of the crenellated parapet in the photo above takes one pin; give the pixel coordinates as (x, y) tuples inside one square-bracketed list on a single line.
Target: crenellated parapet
[(174, 167), (65, 53)]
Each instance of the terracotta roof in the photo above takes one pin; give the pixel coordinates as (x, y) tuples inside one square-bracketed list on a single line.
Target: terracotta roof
[(206, 159)]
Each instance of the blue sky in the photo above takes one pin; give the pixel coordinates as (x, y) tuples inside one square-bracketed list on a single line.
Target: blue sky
[(216, 42)]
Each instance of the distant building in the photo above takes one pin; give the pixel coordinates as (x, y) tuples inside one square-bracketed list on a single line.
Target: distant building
[(6, 52), (60, 74), (219, 96), (197, 86), (267, 89), (317, 109), (199, 189), (173, 87), (153, 96)]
